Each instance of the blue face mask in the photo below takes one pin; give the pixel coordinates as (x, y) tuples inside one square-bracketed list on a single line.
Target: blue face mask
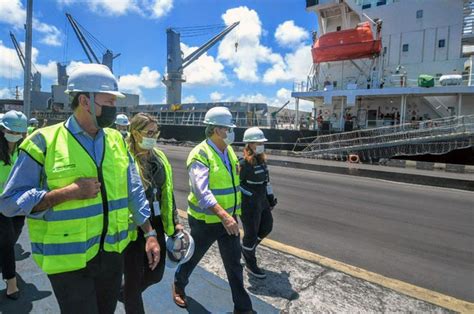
[(230, 137)]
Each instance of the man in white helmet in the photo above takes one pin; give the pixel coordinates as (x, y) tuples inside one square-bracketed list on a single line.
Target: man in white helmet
[(77, 185), (121, 124), (213, 207)]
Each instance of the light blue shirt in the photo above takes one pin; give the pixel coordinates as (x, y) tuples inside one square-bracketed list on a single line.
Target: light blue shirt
[(199, 178), (24, 190)]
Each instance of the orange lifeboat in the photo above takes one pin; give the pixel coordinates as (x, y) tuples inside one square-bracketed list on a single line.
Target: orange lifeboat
[(348, 44)]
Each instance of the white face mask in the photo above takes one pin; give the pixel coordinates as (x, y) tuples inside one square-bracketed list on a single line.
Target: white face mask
[(147, 143), (123, 132), (13, 138), (230, 137), (259, 149)]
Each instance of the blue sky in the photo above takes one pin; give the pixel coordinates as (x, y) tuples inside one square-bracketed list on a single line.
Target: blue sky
[(274, 40)]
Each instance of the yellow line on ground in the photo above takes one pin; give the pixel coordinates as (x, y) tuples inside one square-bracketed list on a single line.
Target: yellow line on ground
[(394, 284)]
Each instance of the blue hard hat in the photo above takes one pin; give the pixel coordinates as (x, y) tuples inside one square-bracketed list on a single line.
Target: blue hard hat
[(14, 121)]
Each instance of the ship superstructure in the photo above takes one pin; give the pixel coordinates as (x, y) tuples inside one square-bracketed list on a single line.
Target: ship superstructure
[(387, 62)]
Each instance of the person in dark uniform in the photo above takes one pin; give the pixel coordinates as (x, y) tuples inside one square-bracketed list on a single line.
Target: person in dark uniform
[(258, 199), (157, 178), (13, 128)]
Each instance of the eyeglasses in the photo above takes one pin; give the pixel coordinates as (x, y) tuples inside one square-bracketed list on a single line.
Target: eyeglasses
[(151, 133)]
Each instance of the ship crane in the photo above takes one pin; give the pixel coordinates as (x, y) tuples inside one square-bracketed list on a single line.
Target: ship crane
[(176, 62), (81, 32), (36, 76)]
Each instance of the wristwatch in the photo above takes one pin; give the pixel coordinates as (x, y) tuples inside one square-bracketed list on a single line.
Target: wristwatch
[(152, 233)]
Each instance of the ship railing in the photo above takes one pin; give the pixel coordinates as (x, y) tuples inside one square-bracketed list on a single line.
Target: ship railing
[(183, 120), (394, 80), (385, 136)]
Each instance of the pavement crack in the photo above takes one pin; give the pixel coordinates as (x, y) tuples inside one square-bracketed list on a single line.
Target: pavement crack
[(296, 294)]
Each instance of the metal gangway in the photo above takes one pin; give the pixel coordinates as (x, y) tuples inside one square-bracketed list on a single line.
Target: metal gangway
[(436, 137)]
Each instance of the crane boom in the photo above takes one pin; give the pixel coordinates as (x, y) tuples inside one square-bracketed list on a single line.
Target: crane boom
[(208, 45), (20, 54), (82, 40)]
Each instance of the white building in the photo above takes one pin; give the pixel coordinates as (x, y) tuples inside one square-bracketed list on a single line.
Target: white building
[(432, 37)]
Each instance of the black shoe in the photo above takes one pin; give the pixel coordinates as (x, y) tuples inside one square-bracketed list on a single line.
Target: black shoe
[(14, 295), (255, 271)]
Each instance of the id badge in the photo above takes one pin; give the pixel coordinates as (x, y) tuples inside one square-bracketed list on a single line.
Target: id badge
[(269, 189), (156, 208)]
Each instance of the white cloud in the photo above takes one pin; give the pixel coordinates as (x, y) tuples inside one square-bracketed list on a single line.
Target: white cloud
[(10, 66), (13, 13), (48, 70), (162, 7), (280, 98), (189, 99), (250, 52), (288, 34), (205, 70), (216, 96), (146, 8), (135, 82), (7, 93), (293, 67)]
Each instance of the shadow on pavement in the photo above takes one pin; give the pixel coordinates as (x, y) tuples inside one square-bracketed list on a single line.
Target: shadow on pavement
[(20, 253), (275, 285), (28, 294), (195, 307)]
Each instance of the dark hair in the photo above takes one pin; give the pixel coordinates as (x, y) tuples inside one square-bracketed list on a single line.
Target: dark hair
[(75, 100), (251, 158), (4, 155)]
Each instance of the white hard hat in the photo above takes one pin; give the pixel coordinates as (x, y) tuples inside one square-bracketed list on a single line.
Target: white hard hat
[(122, 120), (33, 121), (14, 121), (179, 249), (254, 135), (219, 116), (94, 78)]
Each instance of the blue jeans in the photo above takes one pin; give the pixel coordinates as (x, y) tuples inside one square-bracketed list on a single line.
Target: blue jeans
[(204, 236)]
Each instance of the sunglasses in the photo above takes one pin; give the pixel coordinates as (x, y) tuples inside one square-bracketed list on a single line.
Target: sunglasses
[(150, 133)]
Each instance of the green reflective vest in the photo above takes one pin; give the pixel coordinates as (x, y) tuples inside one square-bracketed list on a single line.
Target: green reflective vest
[(166, 201), (31, 129), (223, 184), (70, 234), (6, 169)]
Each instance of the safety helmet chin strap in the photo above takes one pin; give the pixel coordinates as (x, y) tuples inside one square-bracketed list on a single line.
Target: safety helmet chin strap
[(92, 104)]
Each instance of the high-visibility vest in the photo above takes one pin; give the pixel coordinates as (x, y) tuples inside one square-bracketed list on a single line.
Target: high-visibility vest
[(6, 169), (223, 184), (31, 129), (70, 234), (166, 201)]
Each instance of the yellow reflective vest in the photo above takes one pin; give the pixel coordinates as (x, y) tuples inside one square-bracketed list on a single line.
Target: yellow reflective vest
[(70, 234), (6, 169), (166, 201), (223, 184)]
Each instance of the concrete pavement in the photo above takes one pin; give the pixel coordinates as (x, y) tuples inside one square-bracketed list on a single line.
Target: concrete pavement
[(293, 285)]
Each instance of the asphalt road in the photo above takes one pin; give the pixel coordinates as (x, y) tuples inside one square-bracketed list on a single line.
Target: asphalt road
[(418, 234)]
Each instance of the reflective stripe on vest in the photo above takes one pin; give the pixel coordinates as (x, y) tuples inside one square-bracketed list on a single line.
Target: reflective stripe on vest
[(71, 233), (223, 184), (6, 169)]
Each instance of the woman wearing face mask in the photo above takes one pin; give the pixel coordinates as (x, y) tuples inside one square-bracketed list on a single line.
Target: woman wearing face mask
[(257, 198), (156, 174), (13, 129)]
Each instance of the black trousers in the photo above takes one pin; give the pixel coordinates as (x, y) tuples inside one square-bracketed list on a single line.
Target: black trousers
[(94, 289), (257, 221), (138, 276), (204, 236), (10, 230)]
